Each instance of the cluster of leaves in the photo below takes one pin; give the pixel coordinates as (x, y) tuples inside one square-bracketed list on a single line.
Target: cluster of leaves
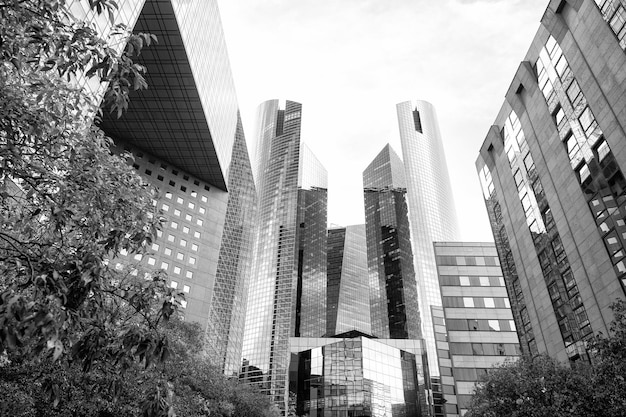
[(540, 386), (193, 388)]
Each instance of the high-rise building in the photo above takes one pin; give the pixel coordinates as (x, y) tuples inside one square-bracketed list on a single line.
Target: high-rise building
[(552, 171), (188, 141), (474, 327), (347, 290), (288, 288), (432, 216), (393, 288)]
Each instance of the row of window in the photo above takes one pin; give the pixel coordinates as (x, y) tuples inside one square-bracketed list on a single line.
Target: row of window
[(485, 349), (467, 260), (478, 302), (163, 167), (481, 325), (614, 13), (469, 281)]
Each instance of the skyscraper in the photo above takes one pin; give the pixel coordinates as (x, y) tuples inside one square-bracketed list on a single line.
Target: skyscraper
[(432, 216), (552, 168), (188, 141), (348, 292), (288, 289), (393, 289)]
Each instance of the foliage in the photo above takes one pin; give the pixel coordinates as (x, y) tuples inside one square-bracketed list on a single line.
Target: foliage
[(541, 386), (69, 207), (188, 381)]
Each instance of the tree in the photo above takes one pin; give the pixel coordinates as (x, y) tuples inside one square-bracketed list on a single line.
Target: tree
[(69, 206), (541, 386)]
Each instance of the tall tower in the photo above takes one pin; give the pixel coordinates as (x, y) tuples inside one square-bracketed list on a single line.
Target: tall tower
[(432, 215), (552, 170), (288, 287), (393, 292)]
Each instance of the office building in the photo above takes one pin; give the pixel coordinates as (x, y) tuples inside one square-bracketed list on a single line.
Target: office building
[(288, 289), (551, 169), (474, 327), (355, 375), (393, 288), (432, 216), (187, 140), (347, 289)]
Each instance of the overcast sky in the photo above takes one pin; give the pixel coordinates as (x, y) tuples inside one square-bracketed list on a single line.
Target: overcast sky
[(350, 61)]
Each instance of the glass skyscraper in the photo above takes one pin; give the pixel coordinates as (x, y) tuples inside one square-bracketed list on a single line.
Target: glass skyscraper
[(288, 286), (432, 214), (348, 294), (393, 292)]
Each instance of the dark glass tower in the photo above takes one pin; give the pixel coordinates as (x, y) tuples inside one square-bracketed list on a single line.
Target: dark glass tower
[(348, 302), (393, 289), (288, 286)]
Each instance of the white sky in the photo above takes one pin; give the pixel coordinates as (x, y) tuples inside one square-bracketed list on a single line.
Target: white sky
[(350, 61)]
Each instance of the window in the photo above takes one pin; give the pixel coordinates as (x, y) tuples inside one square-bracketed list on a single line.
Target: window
[(494, 325), (151, 261), (586, 120), (603, 150), (186, 288), (489, 302), (174, 284), (183, 243), (168, 195), (179, 200), (180, 256), (204, 199), (189, 274), (196, 235), (484, 281), (185, 229), (170, 238), (618, 21), (191, 205), (202, 210), (192, 260), (168, 251), (159, 233), (176, 212), (199, 222), (188, 217), (174, 225), (165, 207), (177, 270), (194, 194), (164, 265), (559, 116), (468, 302), (194, 247), (183, 303)]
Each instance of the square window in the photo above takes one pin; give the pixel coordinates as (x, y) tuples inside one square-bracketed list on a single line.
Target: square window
[(124, 252), (177, 270), (186, 289), (484, 281), (192, 260), (168, 195), (185, 229), (168, 251), (179, 200), (204, 199), (183, 243), (183, 303), (160, 177), (176, 212), (183, 188), (489, 302), (202, 210), (172, 183), (159, 233), (189, 274), (199, 222), (155, 246), (194, 247), (164, 265), (165, 207), (196, 235), (170, 238), (191, 205), (151, 261), (194, 194), (174, 225), (180, 256), (174, 284), (134, 272), (468, 302), (465, 281), (188, 217)]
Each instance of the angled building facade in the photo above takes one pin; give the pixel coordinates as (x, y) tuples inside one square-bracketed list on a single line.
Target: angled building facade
[(288, 286), (187, 140), (393, 289), (432, 215), (552, 171)]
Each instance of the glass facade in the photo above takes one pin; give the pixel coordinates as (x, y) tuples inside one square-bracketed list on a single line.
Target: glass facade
[(288, 287), (432, 214), (358, 376), (226, 319), (348, 303), (393, 296)]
